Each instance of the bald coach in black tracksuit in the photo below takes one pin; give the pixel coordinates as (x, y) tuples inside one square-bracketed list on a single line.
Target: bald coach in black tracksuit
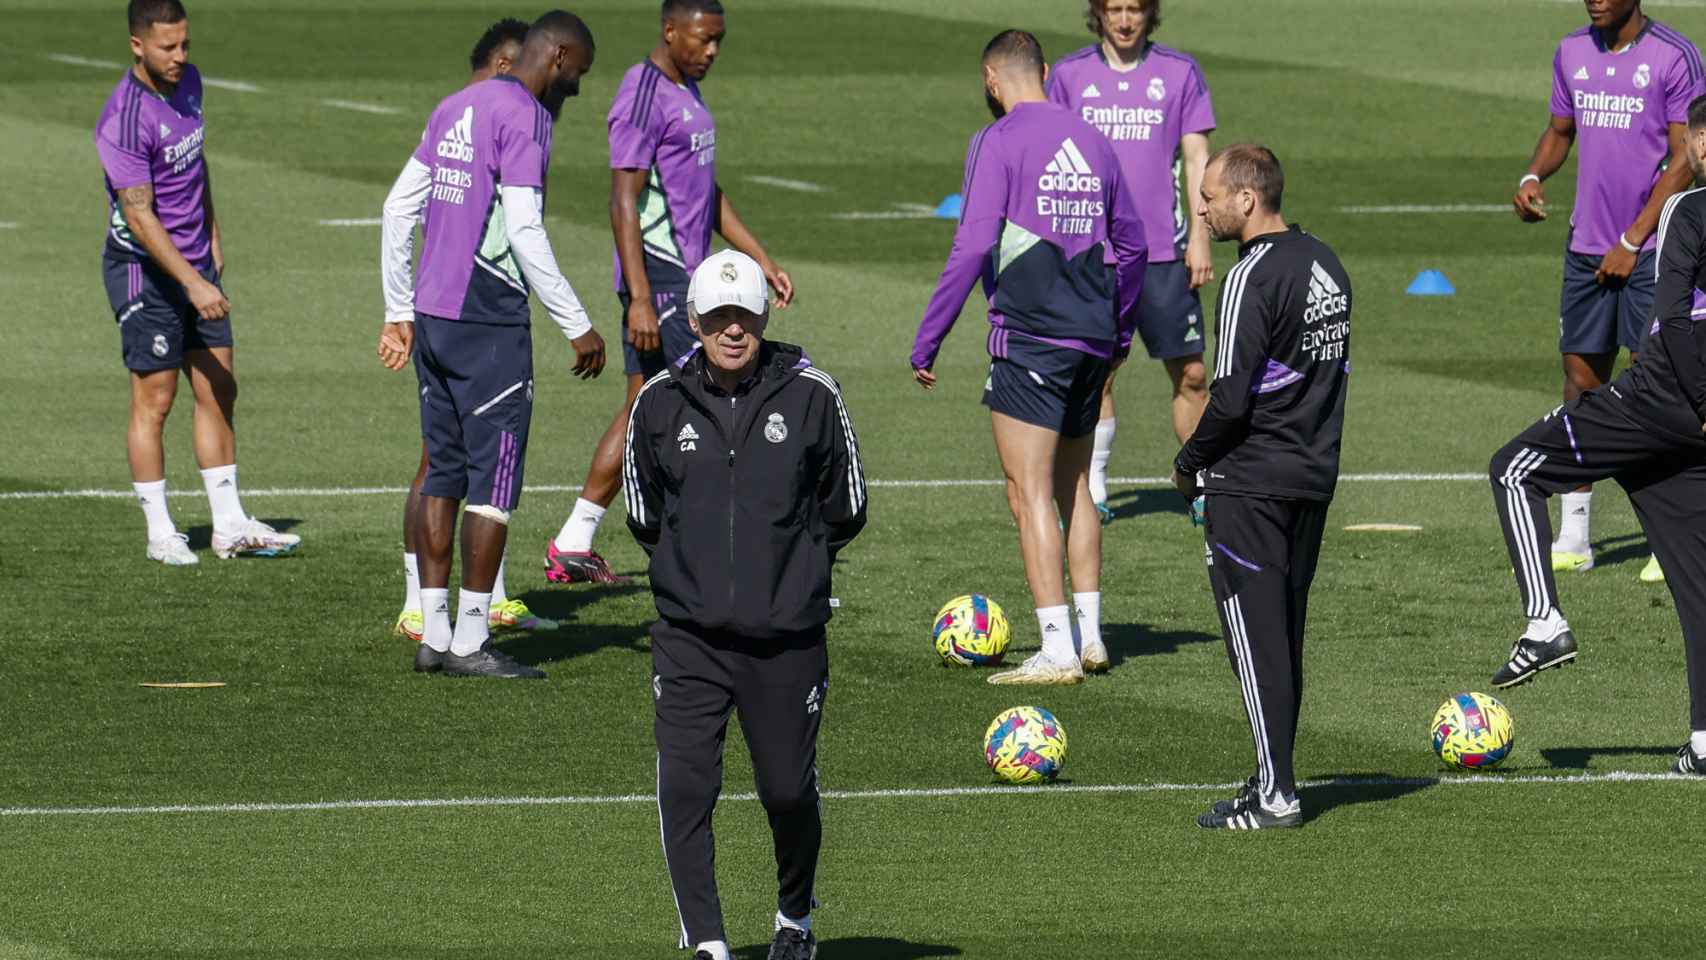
[(743, 481), (1266, 454)]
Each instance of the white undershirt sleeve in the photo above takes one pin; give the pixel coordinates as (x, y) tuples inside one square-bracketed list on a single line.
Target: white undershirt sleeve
[(532, 249), (403, 206)]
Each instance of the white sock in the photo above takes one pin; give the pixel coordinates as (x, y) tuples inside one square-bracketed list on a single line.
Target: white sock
[(1056, 626), (471, 627), (804, 924), (577, 533), (1547, 627), (411, 582), (1089, 607), (221, 484), (1099, 456), (1697, 743), (1573, 519), (435, 607), (499, 594), (718, 949), (152, 497)]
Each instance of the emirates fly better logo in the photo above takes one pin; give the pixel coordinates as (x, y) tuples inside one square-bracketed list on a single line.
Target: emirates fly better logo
[(1069, 172)]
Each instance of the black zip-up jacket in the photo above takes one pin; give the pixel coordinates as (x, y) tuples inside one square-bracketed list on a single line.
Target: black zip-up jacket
[(742, 501), (1276, 406), (1665, 393)]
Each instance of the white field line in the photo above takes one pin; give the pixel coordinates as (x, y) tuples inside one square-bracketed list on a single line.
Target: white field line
[(77, 61), (1484, 780), (8, 224), (783, 183), (360, 107), (352, 222), (96, 494), (236, 85), (1431, 208)]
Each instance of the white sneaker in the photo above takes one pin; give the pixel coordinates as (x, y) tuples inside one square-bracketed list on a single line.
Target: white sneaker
[(173, 550), (1093, 656), (252, 538), (1040, 669)]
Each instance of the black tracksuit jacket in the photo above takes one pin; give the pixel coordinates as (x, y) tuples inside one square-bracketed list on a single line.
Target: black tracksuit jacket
[(742, 501), (1276, 407)]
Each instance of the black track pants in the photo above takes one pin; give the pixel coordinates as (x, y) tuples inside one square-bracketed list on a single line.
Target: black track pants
[(778, 689), (1587, 440), (1261, 556)]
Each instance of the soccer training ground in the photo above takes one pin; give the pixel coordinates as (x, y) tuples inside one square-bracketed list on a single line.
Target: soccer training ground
[(327, 802)]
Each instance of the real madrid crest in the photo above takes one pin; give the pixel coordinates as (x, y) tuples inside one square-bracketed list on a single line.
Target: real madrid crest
[(730, 274), (776, 431)]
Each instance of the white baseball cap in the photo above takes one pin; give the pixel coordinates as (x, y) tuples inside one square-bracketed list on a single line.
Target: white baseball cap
[(728, 277)]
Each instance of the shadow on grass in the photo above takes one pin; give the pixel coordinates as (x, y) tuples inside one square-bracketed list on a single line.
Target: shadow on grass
[(1140, 502), (572, 639), (1125, 640), (1347, 789), (1628, 546), (1579, 758), (861, 948), (201, 535)]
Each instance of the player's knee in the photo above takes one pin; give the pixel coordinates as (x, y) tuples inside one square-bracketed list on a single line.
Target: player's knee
[(1193, 381), (489, 512), (786, 799), (1499, 468), (153, 403), (684, 786)]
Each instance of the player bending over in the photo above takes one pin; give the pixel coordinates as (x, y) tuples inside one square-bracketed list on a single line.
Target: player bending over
[(478, 179), (1646, 430), (1044, 200)]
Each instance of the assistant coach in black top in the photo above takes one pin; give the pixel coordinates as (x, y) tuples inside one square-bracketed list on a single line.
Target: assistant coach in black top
[(1647, 430), (1266, 454), (743, 481)]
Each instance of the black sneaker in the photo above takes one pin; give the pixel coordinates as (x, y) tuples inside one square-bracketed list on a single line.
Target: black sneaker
[(702, 955), (428, 660), (1529, 657), (1243, 813), (486, 662), (1687, 761), (792, 944)]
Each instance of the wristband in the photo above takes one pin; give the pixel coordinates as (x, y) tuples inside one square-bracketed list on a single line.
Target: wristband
[(1527, 177), (1625, 244)]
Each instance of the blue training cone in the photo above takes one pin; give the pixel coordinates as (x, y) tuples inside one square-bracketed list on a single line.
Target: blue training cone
[(950, 207), (1430, 283)]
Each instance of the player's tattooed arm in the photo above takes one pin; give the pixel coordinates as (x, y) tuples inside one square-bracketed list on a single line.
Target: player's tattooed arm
[(137, 205), (1550, 152), (735, 232)]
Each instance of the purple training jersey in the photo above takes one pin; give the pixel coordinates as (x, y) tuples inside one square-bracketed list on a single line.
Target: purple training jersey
[(1144, 112), (664, 128), (1049, 226), (1623, 105), (485, 136), (146, 139)]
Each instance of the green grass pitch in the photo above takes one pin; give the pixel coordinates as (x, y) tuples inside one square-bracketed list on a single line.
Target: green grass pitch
[(1380, 102)]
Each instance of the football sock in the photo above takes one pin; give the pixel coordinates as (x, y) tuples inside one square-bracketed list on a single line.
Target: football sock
[(1056, 626), (1573, 528), (221, 483), (499, 594), (718, 949), (411, 582), (1099, 455), (471, 627), (804, 924), (1089, 607), (435, 607), (1547, 627), (1697, 743), (152, 497), (577, 533)]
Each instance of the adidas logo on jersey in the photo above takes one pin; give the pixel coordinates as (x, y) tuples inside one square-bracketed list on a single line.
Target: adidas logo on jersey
[(688, 438), (1069, 171), (1325, 298), (458, 142), (1090, 91), (1581, 73), (686, 114), (165, 131)]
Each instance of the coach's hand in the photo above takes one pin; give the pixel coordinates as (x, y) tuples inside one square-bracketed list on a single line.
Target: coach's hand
[(396, 341), (1530, 202), (642, 327), (589, 354), (209, 301), (1186, 485), (1615, 268), (779, 282), (924, 377)]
